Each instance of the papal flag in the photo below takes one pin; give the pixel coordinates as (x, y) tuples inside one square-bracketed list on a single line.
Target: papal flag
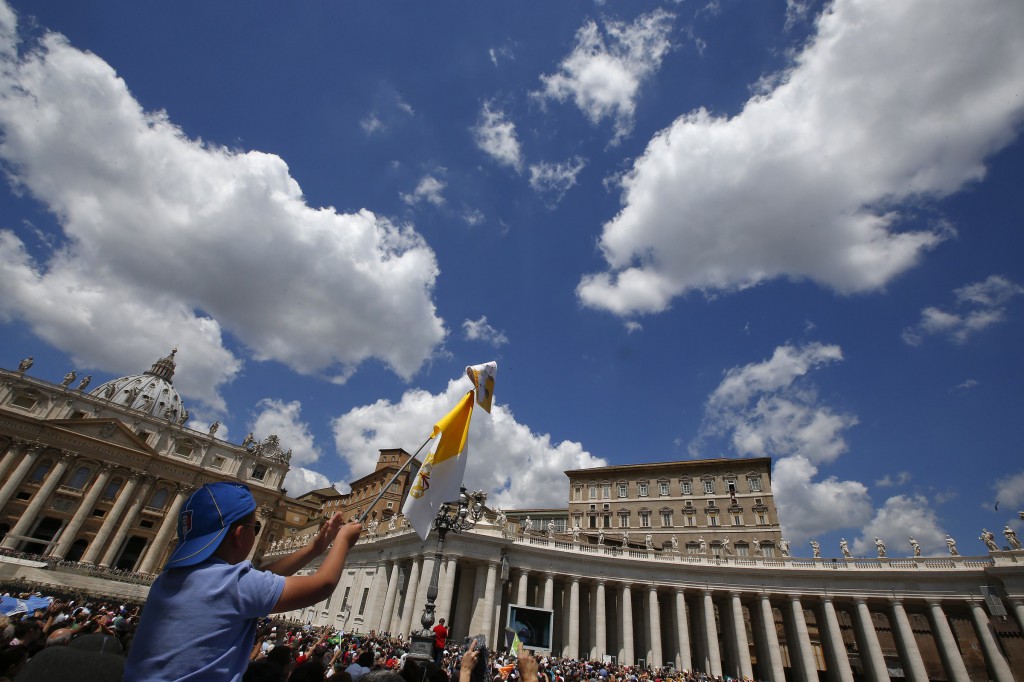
[(440, 478), (482, 377)]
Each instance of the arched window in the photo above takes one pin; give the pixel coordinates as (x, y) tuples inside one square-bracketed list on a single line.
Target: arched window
[(79, 478), (159, 499), (112, 488), (40, 473)]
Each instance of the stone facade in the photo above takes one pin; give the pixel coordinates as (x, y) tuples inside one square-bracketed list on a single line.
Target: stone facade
[(99, 477), (721, 506), (773, 618)]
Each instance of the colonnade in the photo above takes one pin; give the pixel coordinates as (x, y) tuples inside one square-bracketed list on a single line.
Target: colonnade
[(119, 522), (754, 628)]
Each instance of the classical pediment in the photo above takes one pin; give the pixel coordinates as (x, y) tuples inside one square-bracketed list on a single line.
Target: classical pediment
[(110, 432)]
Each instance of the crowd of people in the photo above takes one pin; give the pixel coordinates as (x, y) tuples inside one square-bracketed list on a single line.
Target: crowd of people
[(79, 632), (206, 618)]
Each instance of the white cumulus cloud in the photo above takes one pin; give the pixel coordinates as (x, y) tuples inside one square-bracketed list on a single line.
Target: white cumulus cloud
[(978, 306), (515, 466), (480, 330), (495, 135), (170, 237), (604, 72), (283, 419), (885, 105)]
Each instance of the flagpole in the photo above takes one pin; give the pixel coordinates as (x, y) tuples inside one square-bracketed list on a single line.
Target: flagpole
[(393, 479)]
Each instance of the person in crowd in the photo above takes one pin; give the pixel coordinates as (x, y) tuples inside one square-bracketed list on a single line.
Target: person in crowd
[(202, 612)]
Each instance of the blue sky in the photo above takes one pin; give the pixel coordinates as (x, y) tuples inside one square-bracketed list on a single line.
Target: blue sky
[(686, 229)]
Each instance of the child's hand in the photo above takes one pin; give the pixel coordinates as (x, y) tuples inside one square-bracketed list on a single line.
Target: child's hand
[(349, 533), (327, 533)]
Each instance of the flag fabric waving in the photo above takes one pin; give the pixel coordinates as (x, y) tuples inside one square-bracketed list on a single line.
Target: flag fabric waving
[(482, 377), (440, 478)]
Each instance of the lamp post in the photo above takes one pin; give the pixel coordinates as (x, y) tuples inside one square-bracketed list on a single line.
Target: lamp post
[(454, 517)]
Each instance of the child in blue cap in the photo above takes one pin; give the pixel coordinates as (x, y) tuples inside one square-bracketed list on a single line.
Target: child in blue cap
[(200, 618)]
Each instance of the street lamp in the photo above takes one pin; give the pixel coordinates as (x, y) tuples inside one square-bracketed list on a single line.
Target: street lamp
[(455, 517)]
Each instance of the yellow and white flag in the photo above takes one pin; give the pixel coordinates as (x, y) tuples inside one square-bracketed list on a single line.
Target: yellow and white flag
[(440, 478), (482, 377)]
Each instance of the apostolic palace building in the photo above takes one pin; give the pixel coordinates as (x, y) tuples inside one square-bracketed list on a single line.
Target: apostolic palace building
[(680, 564)]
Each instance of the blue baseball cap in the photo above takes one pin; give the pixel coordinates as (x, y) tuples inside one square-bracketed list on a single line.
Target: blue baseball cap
[(204, 520)]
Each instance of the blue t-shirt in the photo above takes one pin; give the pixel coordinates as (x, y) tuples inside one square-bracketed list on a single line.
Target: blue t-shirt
[(199, 622)]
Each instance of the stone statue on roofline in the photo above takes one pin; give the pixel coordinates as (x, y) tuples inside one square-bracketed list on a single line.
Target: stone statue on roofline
[(815, 549), (881, 548), (784, 547), (649, 541), (600, 536), (68, 378), (917, 547), (1011, 537), (85, 382), (844, 547), (951, 544), (26, 364), (989, 538)]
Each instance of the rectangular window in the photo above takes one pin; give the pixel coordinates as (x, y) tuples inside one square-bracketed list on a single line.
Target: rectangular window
[(217, 463), (645, 520), (642, 489), (712, 519), (686, 487), (608, 521), (709, 487), (593, 492), (577, 494), (606, 491), (25, 402), (362, 601), (762, 519), (623, 520), (259, 472), (663, 488), (692, 549), (623, 490), (768, 551), (344, 600), (741, 550), (755, 484), (737, 519), (183, 450), (666, 518), (691, 520), (390, 505)]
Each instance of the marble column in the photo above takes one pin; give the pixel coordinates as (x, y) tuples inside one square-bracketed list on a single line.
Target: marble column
[(31, 513), (487, 626), (684, 661), (167, 529), (126, 524), (913, 664), (948, 650), (834, 636), (771, 638), (871, 653), (599, 615), (92, 553), (11, 455), (654, 619), (739, 627), (70, 532), (396, 613), (444, 597), (411, 608), (521, 586), (384, 624), (1018, 610), (993, 656), (426, 575), (574, 624), (711, 636), (804, 662), (378, 593), (24, 468), (549, 589), (626, 655)]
